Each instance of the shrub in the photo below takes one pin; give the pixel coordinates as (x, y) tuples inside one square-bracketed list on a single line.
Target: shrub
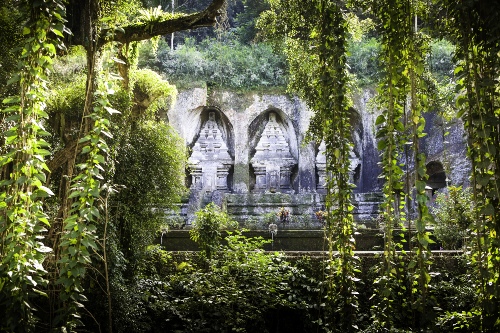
[(453, 214), (363, 60), (440, 59), (243, 289), (150, 166), (208, 226)]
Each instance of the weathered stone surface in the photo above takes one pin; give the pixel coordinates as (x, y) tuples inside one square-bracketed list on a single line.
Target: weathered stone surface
[(272, 162), (210, 161), (262, 163), (446, 150)]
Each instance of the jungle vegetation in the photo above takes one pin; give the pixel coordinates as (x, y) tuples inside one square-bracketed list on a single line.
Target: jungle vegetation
[(85, 156)]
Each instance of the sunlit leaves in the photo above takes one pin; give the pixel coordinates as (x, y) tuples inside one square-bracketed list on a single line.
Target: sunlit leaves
[(22, 218), (316, 51), (473, 31), (80, 239)]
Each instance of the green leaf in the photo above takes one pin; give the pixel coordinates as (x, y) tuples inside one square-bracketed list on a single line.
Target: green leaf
[(46, 190), (380, 120), (381, 144), (488, 210), (12, 100)]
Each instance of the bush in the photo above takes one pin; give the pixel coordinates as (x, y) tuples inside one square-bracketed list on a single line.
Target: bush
[(440, 59), (208, 226), (243, 289), (150, 166), (453, 214)]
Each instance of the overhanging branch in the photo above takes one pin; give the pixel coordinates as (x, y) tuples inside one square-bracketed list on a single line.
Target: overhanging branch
[(133, 33)]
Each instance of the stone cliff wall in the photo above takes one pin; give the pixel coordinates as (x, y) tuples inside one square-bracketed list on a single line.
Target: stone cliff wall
[(247, 147)]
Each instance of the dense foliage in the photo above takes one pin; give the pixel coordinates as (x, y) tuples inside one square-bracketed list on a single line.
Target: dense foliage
[(225, 64), (150, 168), (208, 226), (58, 228), (478, 73), (77, 217), (316, 52), (454, 216)]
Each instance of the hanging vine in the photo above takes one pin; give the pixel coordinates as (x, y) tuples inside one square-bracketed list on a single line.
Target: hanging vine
[(316, 52), (391, 286), (477, 50), (334, 114), (421, 256), (23, 221), (79, 238)]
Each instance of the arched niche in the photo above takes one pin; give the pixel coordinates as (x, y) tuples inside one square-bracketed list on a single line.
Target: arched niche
[(437, 175), (355, 155), (212, 153), (273, 153), (223, 124)]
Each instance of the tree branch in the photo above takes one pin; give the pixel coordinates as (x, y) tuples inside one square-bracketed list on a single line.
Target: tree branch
[(133, 33), (63, 155)]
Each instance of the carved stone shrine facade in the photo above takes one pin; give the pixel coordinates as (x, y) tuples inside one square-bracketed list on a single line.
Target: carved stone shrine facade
[(247, 151)]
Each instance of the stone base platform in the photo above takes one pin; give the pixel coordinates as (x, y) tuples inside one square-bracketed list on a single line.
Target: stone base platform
[(256, 211), (290, 240)]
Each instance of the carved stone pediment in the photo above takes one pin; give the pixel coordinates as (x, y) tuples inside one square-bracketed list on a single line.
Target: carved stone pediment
[(272, 161), (210, 161)]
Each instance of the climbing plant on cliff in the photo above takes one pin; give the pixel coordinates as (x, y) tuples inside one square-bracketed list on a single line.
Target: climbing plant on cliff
[(391, 98), (420, 256), (79, 238), (316, 52)]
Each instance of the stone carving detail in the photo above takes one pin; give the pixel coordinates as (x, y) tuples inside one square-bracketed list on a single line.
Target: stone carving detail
[(273, 162), (355, 162), (210, 161)]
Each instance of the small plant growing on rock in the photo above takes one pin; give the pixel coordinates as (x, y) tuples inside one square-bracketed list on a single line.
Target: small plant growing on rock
[(321, 216), (284, 215)]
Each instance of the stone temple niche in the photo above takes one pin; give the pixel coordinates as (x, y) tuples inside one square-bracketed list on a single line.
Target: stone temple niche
[(273, 162), (354, 166), (210, 161)]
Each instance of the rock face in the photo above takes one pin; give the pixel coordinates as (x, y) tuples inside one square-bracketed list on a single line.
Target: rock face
[(248, 152)]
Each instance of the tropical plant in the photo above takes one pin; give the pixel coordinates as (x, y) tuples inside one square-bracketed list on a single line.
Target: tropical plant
[(208, 227), (150, 168), (316, 53), (23, 221), (78, 236), (453, 215), (363, 60), (478, 70)]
